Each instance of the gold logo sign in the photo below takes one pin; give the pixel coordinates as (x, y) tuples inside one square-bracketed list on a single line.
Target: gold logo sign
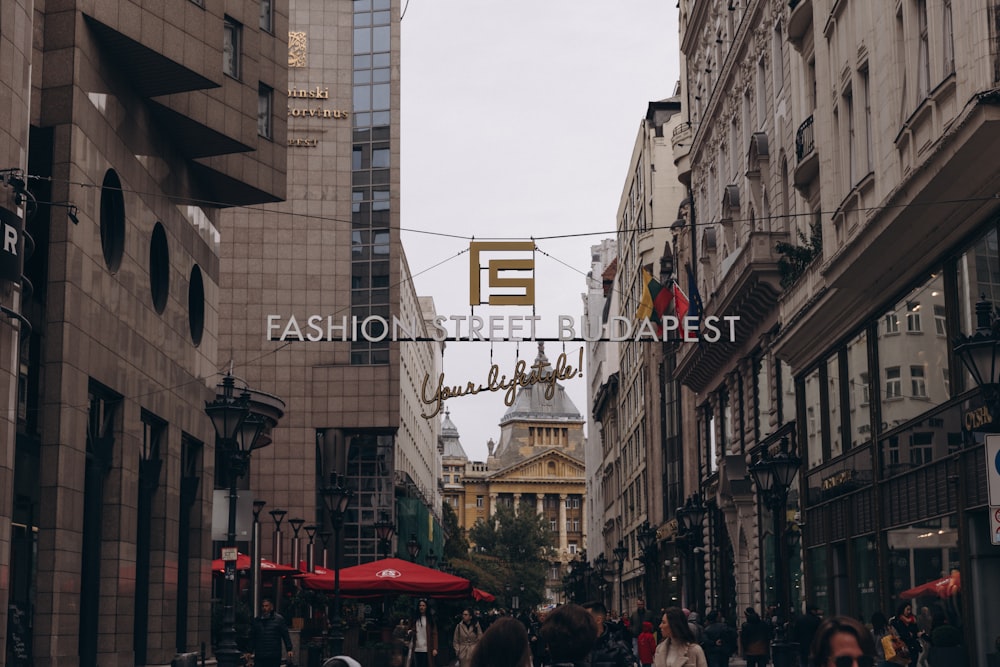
[(496, 279)]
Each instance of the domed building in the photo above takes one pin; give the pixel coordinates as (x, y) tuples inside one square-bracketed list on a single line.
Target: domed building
[(537, 466)]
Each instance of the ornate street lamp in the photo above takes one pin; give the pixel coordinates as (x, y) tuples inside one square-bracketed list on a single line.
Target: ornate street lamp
[(413, 547), (240, 427), (690, 518), (324, 537), (296, 525), (646, 536), (336, 497), (773, 477), (255, 554), (621, 555), (978, 352), (601, 571), (311, 548), (384, 530)]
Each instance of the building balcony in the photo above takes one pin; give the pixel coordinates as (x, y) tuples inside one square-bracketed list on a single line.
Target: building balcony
[(800, 18), (749, 290), (806, 156)]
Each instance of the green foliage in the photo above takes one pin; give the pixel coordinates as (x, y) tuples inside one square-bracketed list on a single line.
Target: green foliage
[(795, 258), (455, 544), (511, 549)]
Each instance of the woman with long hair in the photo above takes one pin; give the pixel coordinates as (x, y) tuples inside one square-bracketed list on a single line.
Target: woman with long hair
[(842, 641), (678, 648), (904, 623), (423, 637), (504, 644), (467, 633)]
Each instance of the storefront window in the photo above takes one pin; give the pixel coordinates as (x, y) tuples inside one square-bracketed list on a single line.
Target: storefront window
[(928, 439), (866, 576), (978, 276), (817, 583), (913, 357), (923, 561), (858, 390)]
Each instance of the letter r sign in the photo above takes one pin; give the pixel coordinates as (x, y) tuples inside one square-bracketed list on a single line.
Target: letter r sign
[(518, 290)]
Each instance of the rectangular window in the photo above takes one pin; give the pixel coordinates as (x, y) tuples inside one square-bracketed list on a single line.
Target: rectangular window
[(852, 166), (265, 109), (267, 15), (572, 547), (479, 501), (761, 99), (869, 162), (893, 382), (913, 317), (918, 382), (949, 39), (940, 326), (865, 395), (891, 324), (778, 56), (923, 51), (921, 448), (552, 525), (231, 47)]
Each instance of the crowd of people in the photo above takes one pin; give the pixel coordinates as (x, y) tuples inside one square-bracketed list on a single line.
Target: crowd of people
[(586, 635)]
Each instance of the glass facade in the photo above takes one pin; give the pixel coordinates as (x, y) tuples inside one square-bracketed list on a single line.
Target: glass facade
[(370, 173)]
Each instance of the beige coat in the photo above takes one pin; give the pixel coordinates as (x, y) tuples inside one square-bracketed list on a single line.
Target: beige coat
[(465, 640), (678, 654)]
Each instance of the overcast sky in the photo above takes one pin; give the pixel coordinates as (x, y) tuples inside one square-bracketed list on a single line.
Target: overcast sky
[(518, 121)]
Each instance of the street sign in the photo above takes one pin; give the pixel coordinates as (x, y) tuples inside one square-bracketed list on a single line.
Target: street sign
[(993, 468), (995, 524), (229, 553)]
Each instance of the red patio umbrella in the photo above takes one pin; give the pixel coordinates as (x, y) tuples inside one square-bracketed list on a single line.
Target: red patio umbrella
[(942, 588), (390, 575), (482, 596), (243, 565)]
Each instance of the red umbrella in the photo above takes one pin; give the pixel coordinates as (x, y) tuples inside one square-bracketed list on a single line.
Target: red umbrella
[(243, 565), (482, 596), (390, 575), (942, 588)]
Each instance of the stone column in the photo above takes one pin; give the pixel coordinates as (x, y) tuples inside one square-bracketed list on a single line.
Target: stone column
[(493, 504), (539, 503), (517, 503), (563, 546)]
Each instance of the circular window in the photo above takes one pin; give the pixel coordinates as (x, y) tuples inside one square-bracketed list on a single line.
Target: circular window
[(196, 305), (159, 267), (112, 220)]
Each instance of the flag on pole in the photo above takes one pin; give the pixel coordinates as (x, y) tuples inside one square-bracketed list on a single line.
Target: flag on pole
[(654, 301), (681, 307)]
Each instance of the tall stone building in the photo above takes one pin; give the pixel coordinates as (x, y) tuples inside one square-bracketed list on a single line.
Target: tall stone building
[(332, 251), (126, 128), (855, 133)]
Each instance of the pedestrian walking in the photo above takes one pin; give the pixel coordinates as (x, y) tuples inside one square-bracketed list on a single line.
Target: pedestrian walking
[(610, 649), (720, 640), (905, 625), (647, 644), (268, 634), (755, 639), (804, 630), (569, 633), (423, 637), (678, 648), (639, 616), (504, 644), (467, 634)]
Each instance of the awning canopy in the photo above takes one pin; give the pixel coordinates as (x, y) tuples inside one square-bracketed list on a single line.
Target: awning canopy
[(390, 575), (243, 565), (942, 588)]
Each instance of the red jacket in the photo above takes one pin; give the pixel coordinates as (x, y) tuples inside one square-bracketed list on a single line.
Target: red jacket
[(647, 647)]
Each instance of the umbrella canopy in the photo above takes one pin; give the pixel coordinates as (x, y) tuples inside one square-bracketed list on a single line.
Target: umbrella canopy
[(243, 565), (390, 575), (942, 588), (482, 596)]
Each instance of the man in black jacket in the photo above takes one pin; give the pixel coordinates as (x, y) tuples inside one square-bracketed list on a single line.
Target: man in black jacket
[(609, 649), (267, 634), (720, 640)]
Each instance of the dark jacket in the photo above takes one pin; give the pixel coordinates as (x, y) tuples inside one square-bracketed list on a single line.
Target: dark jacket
[(755, 637), (804, 630), (267, 634), (720, 639), (610, 651)]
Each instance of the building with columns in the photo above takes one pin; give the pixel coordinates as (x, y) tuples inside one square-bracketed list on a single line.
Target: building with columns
[(538, 466)]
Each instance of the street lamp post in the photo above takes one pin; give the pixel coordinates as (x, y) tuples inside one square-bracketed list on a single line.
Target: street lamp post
[(384, 530), (277, 551), (690, 518), (620, 553), (600, 571), (413, 547), (646, 535), (324, 537), (773, 476), (296, 525), (255, 554), (336, 497), (238, 430), (311, 548)]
